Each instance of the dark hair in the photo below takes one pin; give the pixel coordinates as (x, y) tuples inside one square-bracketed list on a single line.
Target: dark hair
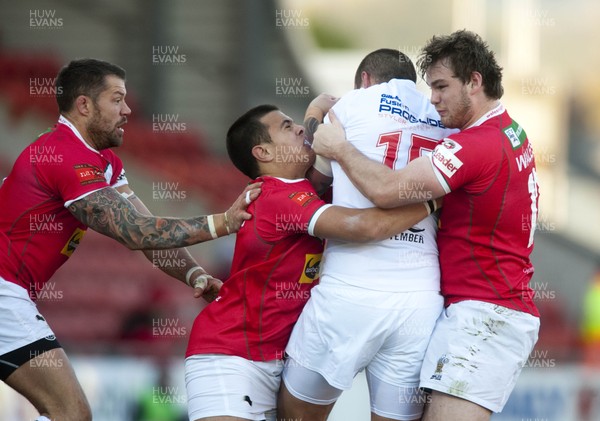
[(466, 53), (244, 134), (384, 65), (83, 77)]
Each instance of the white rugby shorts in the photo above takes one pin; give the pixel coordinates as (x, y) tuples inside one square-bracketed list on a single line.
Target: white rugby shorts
[(477, 351), (20, 321), (344, 329), (225, 385)]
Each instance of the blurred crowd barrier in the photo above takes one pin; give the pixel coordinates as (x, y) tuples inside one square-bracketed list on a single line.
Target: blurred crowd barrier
[(546, 391)]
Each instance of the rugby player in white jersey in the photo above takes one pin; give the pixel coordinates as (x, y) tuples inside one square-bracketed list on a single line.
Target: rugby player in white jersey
[(377, 303)]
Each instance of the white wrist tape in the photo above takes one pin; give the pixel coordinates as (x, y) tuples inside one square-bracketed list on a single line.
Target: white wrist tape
[(431, 206), (189, 273), (211, 226), (201, 281)]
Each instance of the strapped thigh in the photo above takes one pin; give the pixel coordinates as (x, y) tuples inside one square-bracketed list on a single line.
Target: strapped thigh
[(307, 385), (395, 402)]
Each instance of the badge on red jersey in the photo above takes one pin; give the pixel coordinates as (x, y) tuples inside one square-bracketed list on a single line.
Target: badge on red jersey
[(88, 174), (312, 268), (451, 145), (444, 157), (73, 242), (515, 134), (303, 198)]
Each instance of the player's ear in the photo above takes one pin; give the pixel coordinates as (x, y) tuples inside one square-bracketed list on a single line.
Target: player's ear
[(475, 84), (83, 105), (365, 79), (262, 153)]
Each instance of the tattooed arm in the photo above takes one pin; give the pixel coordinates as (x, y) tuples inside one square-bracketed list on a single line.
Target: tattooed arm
[(177, 263), (316, 112), (319, 174), (109, 213)]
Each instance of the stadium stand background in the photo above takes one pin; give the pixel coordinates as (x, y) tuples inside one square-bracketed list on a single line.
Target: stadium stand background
[(193, 66)]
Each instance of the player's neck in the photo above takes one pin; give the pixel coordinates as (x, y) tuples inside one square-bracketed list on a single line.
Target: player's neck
[(479, 110), (81, 128), (287, 173)]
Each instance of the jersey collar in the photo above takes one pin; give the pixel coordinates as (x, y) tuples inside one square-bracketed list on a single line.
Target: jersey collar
[(499, 109), (284, 180), (63, 120)]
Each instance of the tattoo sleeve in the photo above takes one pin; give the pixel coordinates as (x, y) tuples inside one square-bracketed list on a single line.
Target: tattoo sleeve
[(108, 213), (173, 262)]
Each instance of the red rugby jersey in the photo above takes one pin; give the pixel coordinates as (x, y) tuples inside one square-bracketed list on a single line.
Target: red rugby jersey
[(37, 231), (488, 218), (275, 264)]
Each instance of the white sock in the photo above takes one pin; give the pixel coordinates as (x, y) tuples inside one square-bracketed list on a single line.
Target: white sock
[(43, 418)]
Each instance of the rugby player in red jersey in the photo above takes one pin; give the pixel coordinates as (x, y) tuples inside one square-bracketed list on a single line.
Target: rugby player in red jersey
[(66, 181), (487, 176)]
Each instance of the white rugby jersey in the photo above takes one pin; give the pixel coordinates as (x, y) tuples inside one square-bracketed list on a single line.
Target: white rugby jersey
[(391, 123)]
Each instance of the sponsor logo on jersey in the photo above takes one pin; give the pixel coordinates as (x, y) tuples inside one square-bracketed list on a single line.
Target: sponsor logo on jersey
[(88, 174), (409, 237), (73, 242), (525, 159), (445, 160), (393, 105), (451, 145), (303, 198), (312, 266), (515, 134), (437, 375)]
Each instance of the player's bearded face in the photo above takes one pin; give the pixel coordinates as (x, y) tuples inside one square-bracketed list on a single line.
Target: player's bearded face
[(104, 131), (459, 111), (449, 95)]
